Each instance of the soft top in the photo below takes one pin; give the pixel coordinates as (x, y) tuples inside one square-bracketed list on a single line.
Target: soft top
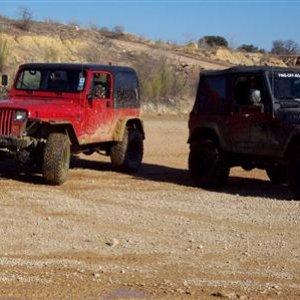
[(77, 66)]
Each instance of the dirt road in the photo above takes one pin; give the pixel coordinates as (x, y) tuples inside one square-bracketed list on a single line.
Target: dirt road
[(106, 235)]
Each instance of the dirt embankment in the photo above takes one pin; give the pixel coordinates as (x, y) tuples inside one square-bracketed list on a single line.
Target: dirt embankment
[(150, 235)]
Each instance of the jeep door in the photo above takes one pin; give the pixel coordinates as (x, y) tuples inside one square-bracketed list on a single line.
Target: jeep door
[(99, 107), (249, 123)]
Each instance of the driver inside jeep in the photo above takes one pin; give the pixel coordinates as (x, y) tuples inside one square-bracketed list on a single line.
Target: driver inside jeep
[(99, 91), (101, 84)]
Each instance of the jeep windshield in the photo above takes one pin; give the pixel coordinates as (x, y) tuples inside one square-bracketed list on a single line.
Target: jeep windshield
[(285, 86), (51, 80)]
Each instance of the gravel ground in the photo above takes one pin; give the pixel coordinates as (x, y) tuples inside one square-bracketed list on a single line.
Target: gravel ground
[(151, 235)]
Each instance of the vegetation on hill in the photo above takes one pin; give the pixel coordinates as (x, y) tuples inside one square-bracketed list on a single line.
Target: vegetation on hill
[(168, 72)]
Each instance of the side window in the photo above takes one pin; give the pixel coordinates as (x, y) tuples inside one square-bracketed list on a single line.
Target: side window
[(243, 85), (101, 85), (126, 90), (211, 95), (29, 80)]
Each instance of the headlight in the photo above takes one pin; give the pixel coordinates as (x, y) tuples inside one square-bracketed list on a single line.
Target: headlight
[(20, 115)]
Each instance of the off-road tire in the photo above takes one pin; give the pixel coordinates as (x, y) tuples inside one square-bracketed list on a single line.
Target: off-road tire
[(127, 155), (56, 158), (207, 164), (277, 174), (294, 173)]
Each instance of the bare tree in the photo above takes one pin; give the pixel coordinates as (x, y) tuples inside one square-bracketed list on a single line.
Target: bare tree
[(288, 47), (25, 18)]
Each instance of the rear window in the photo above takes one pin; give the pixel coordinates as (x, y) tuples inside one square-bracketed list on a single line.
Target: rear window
[(126, 90), (210, 95)]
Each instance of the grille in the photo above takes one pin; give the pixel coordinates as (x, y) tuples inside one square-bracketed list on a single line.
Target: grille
[(6, 118)]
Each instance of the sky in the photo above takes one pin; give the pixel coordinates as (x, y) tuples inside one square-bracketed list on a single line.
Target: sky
[(257, 22)]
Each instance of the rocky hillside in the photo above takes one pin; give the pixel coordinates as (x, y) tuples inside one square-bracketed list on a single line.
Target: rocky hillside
[(154, 61)]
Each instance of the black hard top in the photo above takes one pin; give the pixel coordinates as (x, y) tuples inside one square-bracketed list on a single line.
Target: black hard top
[(248, 70), (77, 66)]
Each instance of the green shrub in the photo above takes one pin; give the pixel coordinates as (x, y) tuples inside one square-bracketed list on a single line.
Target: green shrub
[(213, 41), (160, 80)]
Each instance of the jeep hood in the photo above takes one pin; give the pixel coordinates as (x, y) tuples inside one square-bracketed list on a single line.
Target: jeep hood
[(45, 109)]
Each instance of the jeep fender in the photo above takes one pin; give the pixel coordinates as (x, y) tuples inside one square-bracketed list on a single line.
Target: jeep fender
[(208, 131), (63, 127), (125, 122)]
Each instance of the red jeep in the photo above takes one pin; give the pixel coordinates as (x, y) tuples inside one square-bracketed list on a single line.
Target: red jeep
[(54, 110)]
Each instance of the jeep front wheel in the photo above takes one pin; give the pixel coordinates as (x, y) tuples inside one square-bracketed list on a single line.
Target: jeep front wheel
[(294, 173), (56, 158), (277, 174), (127, 155), (207, 164)]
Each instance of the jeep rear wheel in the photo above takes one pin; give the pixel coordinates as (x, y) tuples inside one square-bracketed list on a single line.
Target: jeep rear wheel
[(56, 158), (277, 174), (294, 173), (127, 155), (207, 164)]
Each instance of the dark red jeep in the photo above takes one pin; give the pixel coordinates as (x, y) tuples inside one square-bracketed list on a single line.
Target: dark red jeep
[(248, 117), (54, 110)]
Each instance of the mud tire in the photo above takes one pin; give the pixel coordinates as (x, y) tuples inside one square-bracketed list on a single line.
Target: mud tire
[(277, 174), (127, 155), (294, 173), (207, 164), (56, 159)]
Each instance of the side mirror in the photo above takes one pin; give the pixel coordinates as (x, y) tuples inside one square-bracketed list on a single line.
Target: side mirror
[(4, 80), (255, 96)]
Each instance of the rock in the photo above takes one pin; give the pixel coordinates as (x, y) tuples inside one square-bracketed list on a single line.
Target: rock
[(96, 275), (275, 286), (224, 295), (217, 294), (113, 243)]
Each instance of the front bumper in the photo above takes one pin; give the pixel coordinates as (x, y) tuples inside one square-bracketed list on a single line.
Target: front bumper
[(15, 143)]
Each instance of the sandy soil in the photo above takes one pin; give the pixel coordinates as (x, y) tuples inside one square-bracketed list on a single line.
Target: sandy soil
[(151, 235)]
